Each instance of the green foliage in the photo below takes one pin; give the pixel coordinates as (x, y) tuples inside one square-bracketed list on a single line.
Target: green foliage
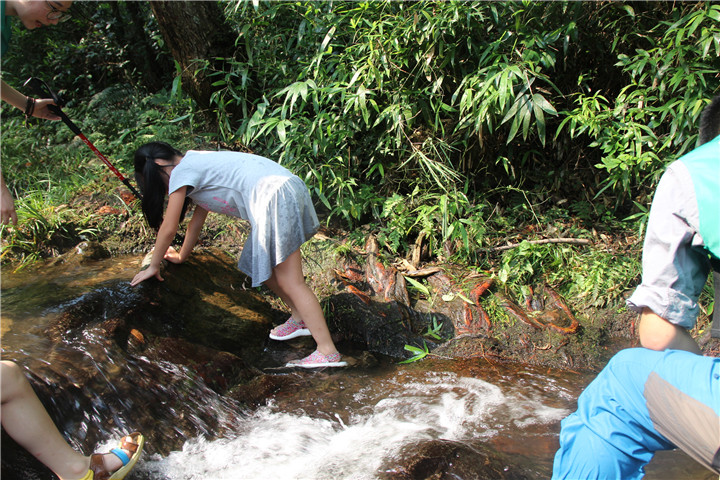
[(441, 218), (599, 278), (46, 167), (418, 353), (374, 102), (707, 297), (104, 43), (590, 275), (387, 92), (117, 121), (41, 227), (424, 290), (525, 263), (452, 124), (433, 331), (653, 118)]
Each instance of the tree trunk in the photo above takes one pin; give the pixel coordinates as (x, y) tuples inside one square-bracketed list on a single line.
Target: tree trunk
[(156, 67), (195, 32)]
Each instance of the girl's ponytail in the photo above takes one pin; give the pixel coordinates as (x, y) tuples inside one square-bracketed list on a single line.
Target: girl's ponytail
[(149, 178)]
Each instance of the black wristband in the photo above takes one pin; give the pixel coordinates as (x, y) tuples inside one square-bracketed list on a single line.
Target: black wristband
[(29, 107), (29, 110)]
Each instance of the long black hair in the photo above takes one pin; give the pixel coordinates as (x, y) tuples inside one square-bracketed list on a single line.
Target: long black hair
[(149, 177), (710, 121)]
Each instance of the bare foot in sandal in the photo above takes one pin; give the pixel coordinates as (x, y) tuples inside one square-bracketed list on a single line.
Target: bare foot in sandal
[(25, 419), (113, 465), (116, 464)]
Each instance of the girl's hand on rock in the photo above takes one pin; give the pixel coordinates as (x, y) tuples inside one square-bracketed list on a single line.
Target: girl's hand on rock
[(145, 274)]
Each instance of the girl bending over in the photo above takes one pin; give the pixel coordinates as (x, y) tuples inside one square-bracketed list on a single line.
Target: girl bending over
[(275, 202)]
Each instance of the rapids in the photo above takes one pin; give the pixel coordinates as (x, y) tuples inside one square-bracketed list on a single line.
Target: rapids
[(364, 422)]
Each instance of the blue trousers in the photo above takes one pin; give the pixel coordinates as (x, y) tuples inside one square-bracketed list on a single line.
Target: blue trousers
[(612, 435)]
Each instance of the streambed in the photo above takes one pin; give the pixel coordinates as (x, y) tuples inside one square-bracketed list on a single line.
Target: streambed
[(371, 421)]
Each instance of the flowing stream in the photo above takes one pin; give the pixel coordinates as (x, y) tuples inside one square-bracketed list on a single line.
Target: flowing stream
[(356, 423)]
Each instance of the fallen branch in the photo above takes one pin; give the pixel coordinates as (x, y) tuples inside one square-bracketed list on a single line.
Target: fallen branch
[(573, 241)]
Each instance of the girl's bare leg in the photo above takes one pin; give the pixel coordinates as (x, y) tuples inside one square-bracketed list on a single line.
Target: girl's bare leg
[(25, 419), (287, 282), (272, 285)]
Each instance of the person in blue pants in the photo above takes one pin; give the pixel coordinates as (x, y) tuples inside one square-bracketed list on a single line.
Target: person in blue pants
[(641, 402)]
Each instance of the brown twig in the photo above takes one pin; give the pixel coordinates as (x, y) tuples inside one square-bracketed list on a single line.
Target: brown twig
[(573, 241)]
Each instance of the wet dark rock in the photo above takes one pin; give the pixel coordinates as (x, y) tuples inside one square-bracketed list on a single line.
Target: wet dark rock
[(93, 393), (18, 464), (257, 390), (380, 327), (159, 354), (371, 307), (85, 251), (219, 370), (366, 360), (206, 300), (202, 300), (95, 309), (446, 460)]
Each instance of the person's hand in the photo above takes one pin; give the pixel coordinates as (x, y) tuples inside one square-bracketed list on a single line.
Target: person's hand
[(145, 274), (172, 255), (42, 110), (7, 207)]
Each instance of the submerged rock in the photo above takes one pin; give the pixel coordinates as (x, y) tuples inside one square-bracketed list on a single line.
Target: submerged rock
[(449, 460)]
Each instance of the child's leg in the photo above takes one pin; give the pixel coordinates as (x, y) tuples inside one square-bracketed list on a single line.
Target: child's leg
[(288, 282), (25, 419), (272, 285)]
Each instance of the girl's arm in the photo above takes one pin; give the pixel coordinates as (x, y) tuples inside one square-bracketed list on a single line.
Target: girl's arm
[(191, 236), (165, 236)]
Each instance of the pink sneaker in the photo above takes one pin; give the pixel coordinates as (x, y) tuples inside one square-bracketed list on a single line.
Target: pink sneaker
[(318, 360), (290, 329)]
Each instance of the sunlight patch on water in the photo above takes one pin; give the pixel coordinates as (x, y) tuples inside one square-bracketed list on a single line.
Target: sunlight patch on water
[(272, 444)]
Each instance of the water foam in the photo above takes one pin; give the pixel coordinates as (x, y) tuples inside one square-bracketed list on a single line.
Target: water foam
[(272, 444)]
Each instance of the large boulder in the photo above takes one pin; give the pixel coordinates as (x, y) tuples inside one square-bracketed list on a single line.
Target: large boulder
[(204, 300)]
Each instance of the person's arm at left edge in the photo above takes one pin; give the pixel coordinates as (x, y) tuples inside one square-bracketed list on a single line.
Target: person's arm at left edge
[(7, 204), (20, 101), (165, 236), (191, 237), (40, 109)]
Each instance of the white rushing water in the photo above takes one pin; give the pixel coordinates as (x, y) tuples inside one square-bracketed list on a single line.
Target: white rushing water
[(382, 418)]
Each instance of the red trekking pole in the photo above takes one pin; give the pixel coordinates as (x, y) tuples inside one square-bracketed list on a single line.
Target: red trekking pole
[(41, 89)]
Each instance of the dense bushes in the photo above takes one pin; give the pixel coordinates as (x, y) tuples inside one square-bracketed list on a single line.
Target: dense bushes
[(103, 44), (474, 101), (458, 125)]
